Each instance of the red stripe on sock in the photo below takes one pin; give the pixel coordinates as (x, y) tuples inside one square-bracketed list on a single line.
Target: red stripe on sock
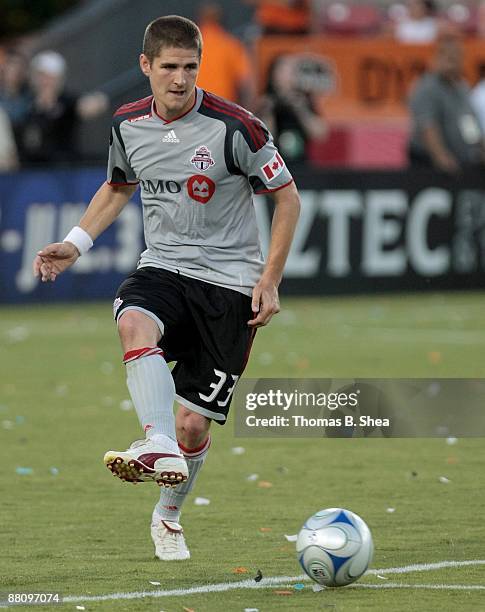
[(199, 450), (142, 352)]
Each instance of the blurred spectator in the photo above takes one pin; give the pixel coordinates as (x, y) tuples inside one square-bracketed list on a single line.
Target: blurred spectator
[(49, 132), (225, 69), (420, 25), (289, 110), (8, 150), (283, 16), (15, 94), (478, 97), (446, 132)]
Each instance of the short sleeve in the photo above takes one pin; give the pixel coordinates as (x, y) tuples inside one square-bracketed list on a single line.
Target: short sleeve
[(265, 168), (119, 170)]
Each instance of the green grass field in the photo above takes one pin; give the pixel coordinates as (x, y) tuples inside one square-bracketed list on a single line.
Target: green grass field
[(70, 527)]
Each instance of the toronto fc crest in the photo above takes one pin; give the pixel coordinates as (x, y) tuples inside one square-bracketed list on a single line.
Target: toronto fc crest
[(202, 159)]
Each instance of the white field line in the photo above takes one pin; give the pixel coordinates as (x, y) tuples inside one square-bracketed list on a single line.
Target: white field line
[(284, 581), (281, 581), (424, 567), (435, 587)]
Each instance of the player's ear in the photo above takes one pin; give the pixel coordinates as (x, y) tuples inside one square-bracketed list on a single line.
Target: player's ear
[(145, 64)]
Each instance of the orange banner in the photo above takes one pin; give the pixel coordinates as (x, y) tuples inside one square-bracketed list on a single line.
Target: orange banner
[(367, 78)]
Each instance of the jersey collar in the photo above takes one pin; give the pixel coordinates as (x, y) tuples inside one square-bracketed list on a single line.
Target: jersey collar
[(193, 109)]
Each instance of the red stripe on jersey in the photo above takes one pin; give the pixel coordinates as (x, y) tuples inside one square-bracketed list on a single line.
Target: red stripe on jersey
[(142, 352), (230, 105), (167, 121), (112, 184), (256, 141), (133, 107), (245, 116), (273, 190), (252, 125)]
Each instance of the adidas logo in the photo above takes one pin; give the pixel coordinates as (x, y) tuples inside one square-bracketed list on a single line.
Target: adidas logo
[(170, 137)]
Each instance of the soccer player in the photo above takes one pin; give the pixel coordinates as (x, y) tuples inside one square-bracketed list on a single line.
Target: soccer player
[(201, 288)]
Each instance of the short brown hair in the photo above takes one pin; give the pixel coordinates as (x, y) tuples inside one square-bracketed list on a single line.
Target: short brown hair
[(171, 31)]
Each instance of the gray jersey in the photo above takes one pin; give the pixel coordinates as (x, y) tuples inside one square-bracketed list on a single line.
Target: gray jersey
[(447, 106), (197, 175)]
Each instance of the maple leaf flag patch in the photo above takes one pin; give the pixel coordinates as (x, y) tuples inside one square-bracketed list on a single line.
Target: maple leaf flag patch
[(274, 167)]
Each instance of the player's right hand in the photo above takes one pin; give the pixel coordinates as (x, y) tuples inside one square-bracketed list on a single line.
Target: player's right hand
[(54, 259)]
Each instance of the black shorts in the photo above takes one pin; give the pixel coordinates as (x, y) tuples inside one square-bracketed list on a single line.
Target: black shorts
[(204, 329)]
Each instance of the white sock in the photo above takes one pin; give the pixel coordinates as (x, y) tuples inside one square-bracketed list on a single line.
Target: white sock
[(152, 390), (171, 500)]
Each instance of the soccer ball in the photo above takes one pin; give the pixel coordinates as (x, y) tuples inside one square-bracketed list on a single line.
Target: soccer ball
[(334, 547)]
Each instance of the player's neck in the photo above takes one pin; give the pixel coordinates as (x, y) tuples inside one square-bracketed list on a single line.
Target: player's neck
[(170, 114)]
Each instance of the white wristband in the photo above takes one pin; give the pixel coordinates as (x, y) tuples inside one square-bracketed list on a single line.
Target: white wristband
[(80, 239)]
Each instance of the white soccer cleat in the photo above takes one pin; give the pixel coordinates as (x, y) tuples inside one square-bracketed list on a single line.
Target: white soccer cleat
[(147, 461), (169, 540)]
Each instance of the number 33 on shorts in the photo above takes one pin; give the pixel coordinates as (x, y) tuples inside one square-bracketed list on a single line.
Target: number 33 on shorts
[(217, 387)]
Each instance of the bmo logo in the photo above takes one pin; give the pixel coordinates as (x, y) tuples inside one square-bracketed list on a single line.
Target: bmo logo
[(201, 188)]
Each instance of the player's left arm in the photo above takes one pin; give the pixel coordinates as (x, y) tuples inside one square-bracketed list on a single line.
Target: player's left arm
[(265, 301)]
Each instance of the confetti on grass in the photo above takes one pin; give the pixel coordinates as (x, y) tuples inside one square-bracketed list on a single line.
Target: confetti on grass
[(155, 583), (444, 480), (264, 484), (291, 538), (252, 477), (62, 390), (17, 334), (107, 368), (238, 450), (265, 359), (259, 576), (240, 570), (24, 471), (202, 501), (434, 357)]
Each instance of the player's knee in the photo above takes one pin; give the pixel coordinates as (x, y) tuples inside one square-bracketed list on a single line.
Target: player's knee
[(137, 330), (192, 429)]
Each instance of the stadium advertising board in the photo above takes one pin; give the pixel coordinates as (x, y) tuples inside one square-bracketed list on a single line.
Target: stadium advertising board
[(371, 82), (358, 232)]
